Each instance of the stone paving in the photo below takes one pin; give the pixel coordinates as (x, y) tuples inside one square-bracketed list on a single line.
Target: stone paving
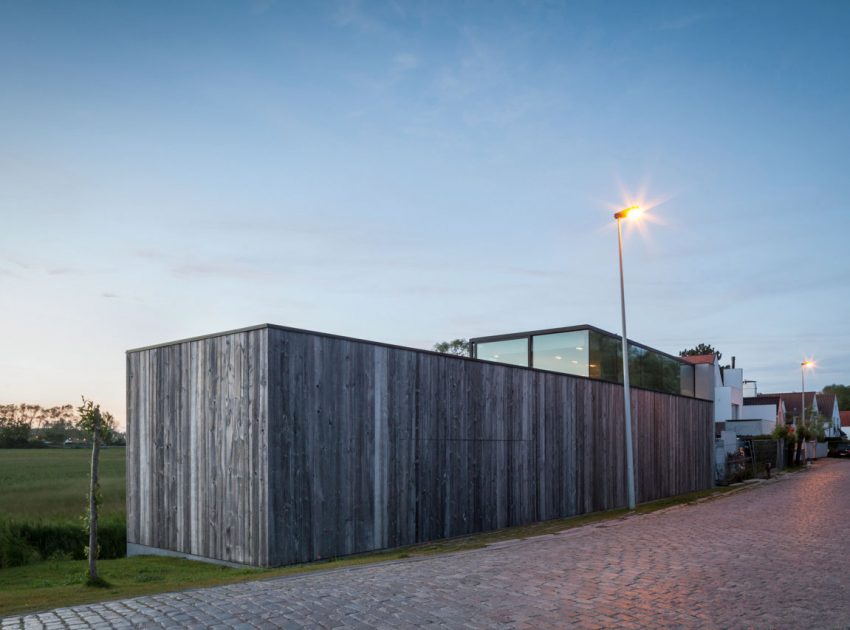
[(774, 556)]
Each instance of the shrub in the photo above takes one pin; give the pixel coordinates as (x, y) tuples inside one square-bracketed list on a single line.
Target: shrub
[(14, 550), (22, 542), (781, 433)]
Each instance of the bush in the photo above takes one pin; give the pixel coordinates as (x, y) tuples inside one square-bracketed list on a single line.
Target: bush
[(781, 432), (14, 550), (22, 542)]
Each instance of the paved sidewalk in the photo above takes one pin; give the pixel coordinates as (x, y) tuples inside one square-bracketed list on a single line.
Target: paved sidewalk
[(774, 556)]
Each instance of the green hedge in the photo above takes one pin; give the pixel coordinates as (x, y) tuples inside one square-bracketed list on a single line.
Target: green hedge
[(22, 542)]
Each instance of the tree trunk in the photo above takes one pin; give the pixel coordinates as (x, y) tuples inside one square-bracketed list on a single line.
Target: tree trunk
[(95, 456), (799, 458)]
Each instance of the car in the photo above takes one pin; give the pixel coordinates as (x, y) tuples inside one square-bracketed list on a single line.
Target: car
[(842, 449)]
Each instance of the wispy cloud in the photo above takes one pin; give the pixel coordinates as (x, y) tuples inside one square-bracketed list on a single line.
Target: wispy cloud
[(406, 61), (351, 14), (40, 267), (259, 7), (682, 22), (109, 295)]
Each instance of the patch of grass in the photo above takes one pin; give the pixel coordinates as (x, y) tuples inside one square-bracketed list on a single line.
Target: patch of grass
[(52, 583), (53, 483)]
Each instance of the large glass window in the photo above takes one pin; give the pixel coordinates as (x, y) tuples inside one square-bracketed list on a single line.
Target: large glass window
[(566, 352), (595, 355), (606, 360), (686, 378), (646, 368), (510, 351)]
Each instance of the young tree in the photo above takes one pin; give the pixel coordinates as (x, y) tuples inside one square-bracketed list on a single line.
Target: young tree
[(458, 347), (98, 426), (701, 349)]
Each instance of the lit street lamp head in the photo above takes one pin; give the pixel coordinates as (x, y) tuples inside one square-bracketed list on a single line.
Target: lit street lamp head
[(806, 364), (630, 212)]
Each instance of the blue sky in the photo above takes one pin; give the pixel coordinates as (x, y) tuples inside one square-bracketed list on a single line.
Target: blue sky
[(412, 172)]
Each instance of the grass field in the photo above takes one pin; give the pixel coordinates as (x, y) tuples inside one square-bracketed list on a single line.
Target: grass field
[(53, 482)]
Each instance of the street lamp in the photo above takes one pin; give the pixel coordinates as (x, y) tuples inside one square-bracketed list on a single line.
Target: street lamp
[(626, 213), (803, 366)]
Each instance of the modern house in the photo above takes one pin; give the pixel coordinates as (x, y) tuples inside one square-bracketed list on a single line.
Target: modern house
[(272, 445)]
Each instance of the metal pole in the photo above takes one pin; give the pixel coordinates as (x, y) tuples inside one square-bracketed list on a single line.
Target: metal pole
[(630, 466), (803, 408)]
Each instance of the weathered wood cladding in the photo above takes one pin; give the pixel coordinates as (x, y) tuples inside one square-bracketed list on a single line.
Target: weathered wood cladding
[(197, 447), (374, 446), (271, 446)]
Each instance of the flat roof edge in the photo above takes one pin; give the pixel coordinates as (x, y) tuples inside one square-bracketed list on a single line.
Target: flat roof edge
[(176, 342)]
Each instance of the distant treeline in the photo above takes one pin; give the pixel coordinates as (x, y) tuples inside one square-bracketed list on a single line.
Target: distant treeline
[(33, 426)]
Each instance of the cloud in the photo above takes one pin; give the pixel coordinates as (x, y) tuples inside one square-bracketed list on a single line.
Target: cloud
[(259, 7), (406, 61), (236, 270), (682, 22), (109, 295), (41, 267), (149, 254), (61, 271), (351, 14)]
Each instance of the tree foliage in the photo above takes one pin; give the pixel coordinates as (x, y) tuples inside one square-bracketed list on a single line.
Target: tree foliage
[(99, 426), (699, 350), (842, 392), (458, 347), (25, 425), (95, 423)]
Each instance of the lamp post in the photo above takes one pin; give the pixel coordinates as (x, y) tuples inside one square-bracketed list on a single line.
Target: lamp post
[(631, 211), (803, 367)]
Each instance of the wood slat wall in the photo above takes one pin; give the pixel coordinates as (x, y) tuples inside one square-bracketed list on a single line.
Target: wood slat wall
[(197, 447), (373, 446), (273, 446)]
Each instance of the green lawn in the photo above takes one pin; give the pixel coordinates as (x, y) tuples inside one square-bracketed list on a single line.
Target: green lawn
[(53, 482)]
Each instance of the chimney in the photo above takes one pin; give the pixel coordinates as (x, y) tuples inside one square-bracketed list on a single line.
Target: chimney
[(733, 363)]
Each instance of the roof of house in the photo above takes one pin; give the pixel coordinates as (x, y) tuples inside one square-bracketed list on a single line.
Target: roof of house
[(792, 400), (699, 358), (769, 399), (845, 418), (826, 403)]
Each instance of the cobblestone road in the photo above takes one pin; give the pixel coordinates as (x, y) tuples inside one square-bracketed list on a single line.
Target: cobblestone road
[(774, 556)]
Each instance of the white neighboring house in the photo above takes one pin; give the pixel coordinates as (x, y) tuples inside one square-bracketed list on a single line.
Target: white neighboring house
[(726, 388), (761, 415), (824, 404), (828, 407)]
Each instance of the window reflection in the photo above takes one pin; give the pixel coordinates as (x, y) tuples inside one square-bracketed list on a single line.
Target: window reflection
[(566, 352), (593, 354), (510, 351)]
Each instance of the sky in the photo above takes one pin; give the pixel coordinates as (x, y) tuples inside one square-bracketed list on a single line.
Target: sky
[(412, 172)]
